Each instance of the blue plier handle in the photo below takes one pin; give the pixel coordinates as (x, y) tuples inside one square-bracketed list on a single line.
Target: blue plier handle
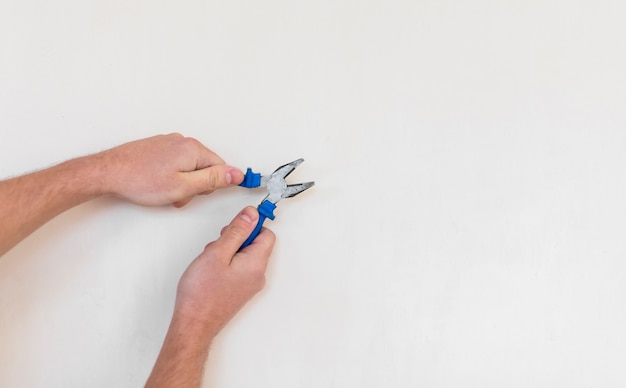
[(277, 189), (266, 210)]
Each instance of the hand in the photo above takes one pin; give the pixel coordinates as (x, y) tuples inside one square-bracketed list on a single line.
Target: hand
[(165, 169), (210, 292), (160, 170), (221, 280)]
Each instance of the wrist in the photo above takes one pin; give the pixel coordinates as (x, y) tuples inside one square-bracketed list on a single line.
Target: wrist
[(98, 170), (82, 178), (203, 328)]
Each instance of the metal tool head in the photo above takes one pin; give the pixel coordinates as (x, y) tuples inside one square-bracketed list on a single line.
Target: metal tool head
[(276, 185), (293, 190), (286, 169)]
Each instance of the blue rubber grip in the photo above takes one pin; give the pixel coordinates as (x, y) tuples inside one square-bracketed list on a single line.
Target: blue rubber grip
[(266, 210), (251, 179)]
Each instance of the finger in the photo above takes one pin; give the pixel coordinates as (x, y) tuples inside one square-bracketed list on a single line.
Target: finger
[(234, 235), (213, 178), (256, 255)]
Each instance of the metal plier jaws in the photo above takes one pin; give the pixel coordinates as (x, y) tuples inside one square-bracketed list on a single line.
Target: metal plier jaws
[(277, 189)]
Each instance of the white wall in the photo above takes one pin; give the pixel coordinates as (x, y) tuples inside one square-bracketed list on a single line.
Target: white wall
[(467, 226)]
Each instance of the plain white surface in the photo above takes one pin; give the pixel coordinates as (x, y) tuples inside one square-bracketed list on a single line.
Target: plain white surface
[(467, 225)]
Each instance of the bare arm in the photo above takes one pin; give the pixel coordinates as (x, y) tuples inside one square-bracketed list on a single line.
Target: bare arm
[(29, 201), (160, 170), (211, 291)]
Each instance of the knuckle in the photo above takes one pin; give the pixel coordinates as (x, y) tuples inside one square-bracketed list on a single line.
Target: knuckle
[(213, 251), (239, 231), (212, 180), (192, 142), (175, 134)]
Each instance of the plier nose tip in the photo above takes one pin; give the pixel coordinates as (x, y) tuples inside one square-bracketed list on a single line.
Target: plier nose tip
[(286, 169), (293, 190)]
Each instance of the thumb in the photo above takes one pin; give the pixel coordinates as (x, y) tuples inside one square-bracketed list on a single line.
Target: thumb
[(214, 177), (235, 233)]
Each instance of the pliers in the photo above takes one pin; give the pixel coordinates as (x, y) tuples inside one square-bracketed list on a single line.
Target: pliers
[(277, 189)]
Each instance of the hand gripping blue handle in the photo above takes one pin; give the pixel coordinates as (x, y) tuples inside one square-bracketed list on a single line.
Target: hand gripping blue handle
[(266, 210)]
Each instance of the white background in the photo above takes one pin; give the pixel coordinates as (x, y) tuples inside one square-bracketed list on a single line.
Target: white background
[(467, 223)]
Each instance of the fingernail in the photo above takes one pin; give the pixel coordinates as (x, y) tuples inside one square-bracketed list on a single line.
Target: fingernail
[(249, 215), (234, 176)]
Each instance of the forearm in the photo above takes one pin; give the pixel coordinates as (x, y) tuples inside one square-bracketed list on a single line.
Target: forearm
[(214, 287), (159, 170), (31, 200), (183, 355)]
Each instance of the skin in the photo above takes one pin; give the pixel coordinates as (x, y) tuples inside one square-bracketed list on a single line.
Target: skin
[(211, 291), (160, 170)]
